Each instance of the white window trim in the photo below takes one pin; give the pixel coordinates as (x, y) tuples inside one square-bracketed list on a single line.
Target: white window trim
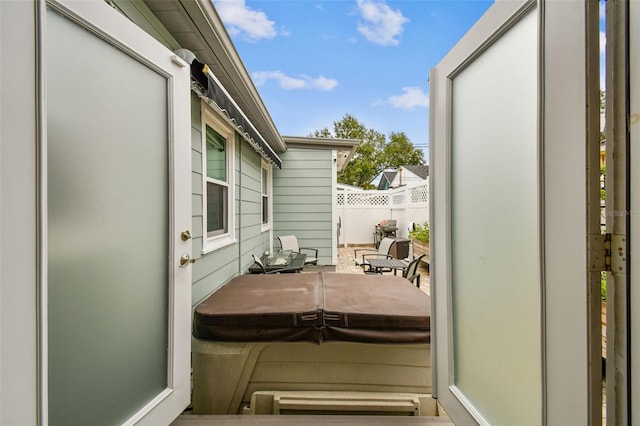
[(265, 165), (219, 125)]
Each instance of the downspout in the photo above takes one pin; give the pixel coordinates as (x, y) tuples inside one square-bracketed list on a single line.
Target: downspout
[(334, 208)]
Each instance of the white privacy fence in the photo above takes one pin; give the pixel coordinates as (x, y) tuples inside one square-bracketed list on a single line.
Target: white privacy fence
[(359, 211)]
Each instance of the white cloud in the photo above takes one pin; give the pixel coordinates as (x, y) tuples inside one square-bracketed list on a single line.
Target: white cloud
[(294, 83), (244, 22), (603, 42), (412, 97), (382, 25)]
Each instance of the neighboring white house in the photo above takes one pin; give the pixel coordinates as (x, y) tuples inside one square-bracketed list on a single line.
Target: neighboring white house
[(403, 175)]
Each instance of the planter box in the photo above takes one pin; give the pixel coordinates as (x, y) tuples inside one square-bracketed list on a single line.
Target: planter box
[(420, 248)]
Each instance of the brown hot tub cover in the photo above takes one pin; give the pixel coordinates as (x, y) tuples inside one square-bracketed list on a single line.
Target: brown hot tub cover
[(315, 308)]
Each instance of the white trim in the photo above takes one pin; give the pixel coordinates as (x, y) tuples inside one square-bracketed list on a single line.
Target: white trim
[(209, 117), (19, 313), (268, 166)]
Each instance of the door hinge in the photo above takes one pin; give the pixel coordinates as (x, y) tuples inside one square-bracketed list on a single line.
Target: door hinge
[(608, 253)]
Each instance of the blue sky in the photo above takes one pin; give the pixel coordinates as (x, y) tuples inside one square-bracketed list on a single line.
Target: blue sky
[(315, 61)]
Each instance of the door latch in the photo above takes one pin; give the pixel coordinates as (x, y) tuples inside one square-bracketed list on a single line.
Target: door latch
[(185, 259)]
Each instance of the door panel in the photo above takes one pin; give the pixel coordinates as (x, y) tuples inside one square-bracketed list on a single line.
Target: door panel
[(495, 251), (118, 315), (509, 258)]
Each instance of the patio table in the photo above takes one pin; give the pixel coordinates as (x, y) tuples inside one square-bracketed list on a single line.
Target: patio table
[(283, 261), (395, 264)]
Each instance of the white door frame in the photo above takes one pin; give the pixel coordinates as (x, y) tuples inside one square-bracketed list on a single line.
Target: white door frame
[(18, 214)]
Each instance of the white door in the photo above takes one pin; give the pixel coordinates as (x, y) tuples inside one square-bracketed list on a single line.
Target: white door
[(509, 233), (115, 200)]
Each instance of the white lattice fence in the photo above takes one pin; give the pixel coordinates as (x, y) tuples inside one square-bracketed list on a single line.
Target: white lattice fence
[(360, 211), (366, 198), (419, 194)]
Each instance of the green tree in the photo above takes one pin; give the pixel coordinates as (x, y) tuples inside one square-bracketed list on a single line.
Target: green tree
[(374, 154), (401, 152)]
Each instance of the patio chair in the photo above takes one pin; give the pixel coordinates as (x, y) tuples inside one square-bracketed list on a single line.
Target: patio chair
[(381, 253), (411, 273), (290, 242)]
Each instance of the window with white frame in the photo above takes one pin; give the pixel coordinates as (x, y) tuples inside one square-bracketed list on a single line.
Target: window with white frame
[(266, 194), (218, 186)]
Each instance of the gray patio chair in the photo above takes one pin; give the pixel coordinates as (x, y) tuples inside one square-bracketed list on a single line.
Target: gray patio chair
[(411, 273), (290, 242), (381, 253)]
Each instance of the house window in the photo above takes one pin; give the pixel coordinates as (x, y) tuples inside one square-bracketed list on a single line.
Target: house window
[(218, 187), (266, 191)]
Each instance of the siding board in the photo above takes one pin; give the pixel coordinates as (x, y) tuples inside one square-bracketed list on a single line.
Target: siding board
[(302, 199), (301, 191), (196, 162), (312, 209), (303, 173), (196, 183), (196, 142), (196, 117), (286, 200)]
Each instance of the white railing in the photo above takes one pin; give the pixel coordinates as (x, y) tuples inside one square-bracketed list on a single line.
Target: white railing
[(359, 211)]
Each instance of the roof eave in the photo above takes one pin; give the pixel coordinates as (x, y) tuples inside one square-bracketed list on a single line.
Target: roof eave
[(346, 147), (319, 142), (196, 25)]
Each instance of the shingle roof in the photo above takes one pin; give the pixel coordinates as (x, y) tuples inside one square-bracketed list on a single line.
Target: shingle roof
[(422, 171), (387, 177)]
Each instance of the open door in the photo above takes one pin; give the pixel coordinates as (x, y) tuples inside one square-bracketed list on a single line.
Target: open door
[(623, 210), (115, 199), (510, 283)]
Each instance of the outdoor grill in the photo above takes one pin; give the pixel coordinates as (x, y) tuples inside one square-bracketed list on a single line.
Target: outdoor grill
[(386, 228)]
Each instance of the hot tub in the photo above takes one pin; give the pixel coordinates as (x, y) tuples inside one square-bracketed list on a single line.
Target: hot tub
[(310, 332)]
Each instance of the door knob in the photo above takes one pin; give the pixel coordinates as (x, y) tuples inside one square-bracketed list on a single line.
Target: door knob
[(185, 259)]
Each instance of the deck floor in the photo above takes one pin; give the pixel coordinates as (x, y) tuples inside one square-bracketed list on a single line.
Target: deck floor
[(226, 420)]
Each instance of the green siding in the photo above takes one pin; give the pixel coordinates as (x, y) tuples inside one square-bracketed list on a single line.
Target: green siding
[(215, 268), (304, 191), (306, 206), (302, 199)]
